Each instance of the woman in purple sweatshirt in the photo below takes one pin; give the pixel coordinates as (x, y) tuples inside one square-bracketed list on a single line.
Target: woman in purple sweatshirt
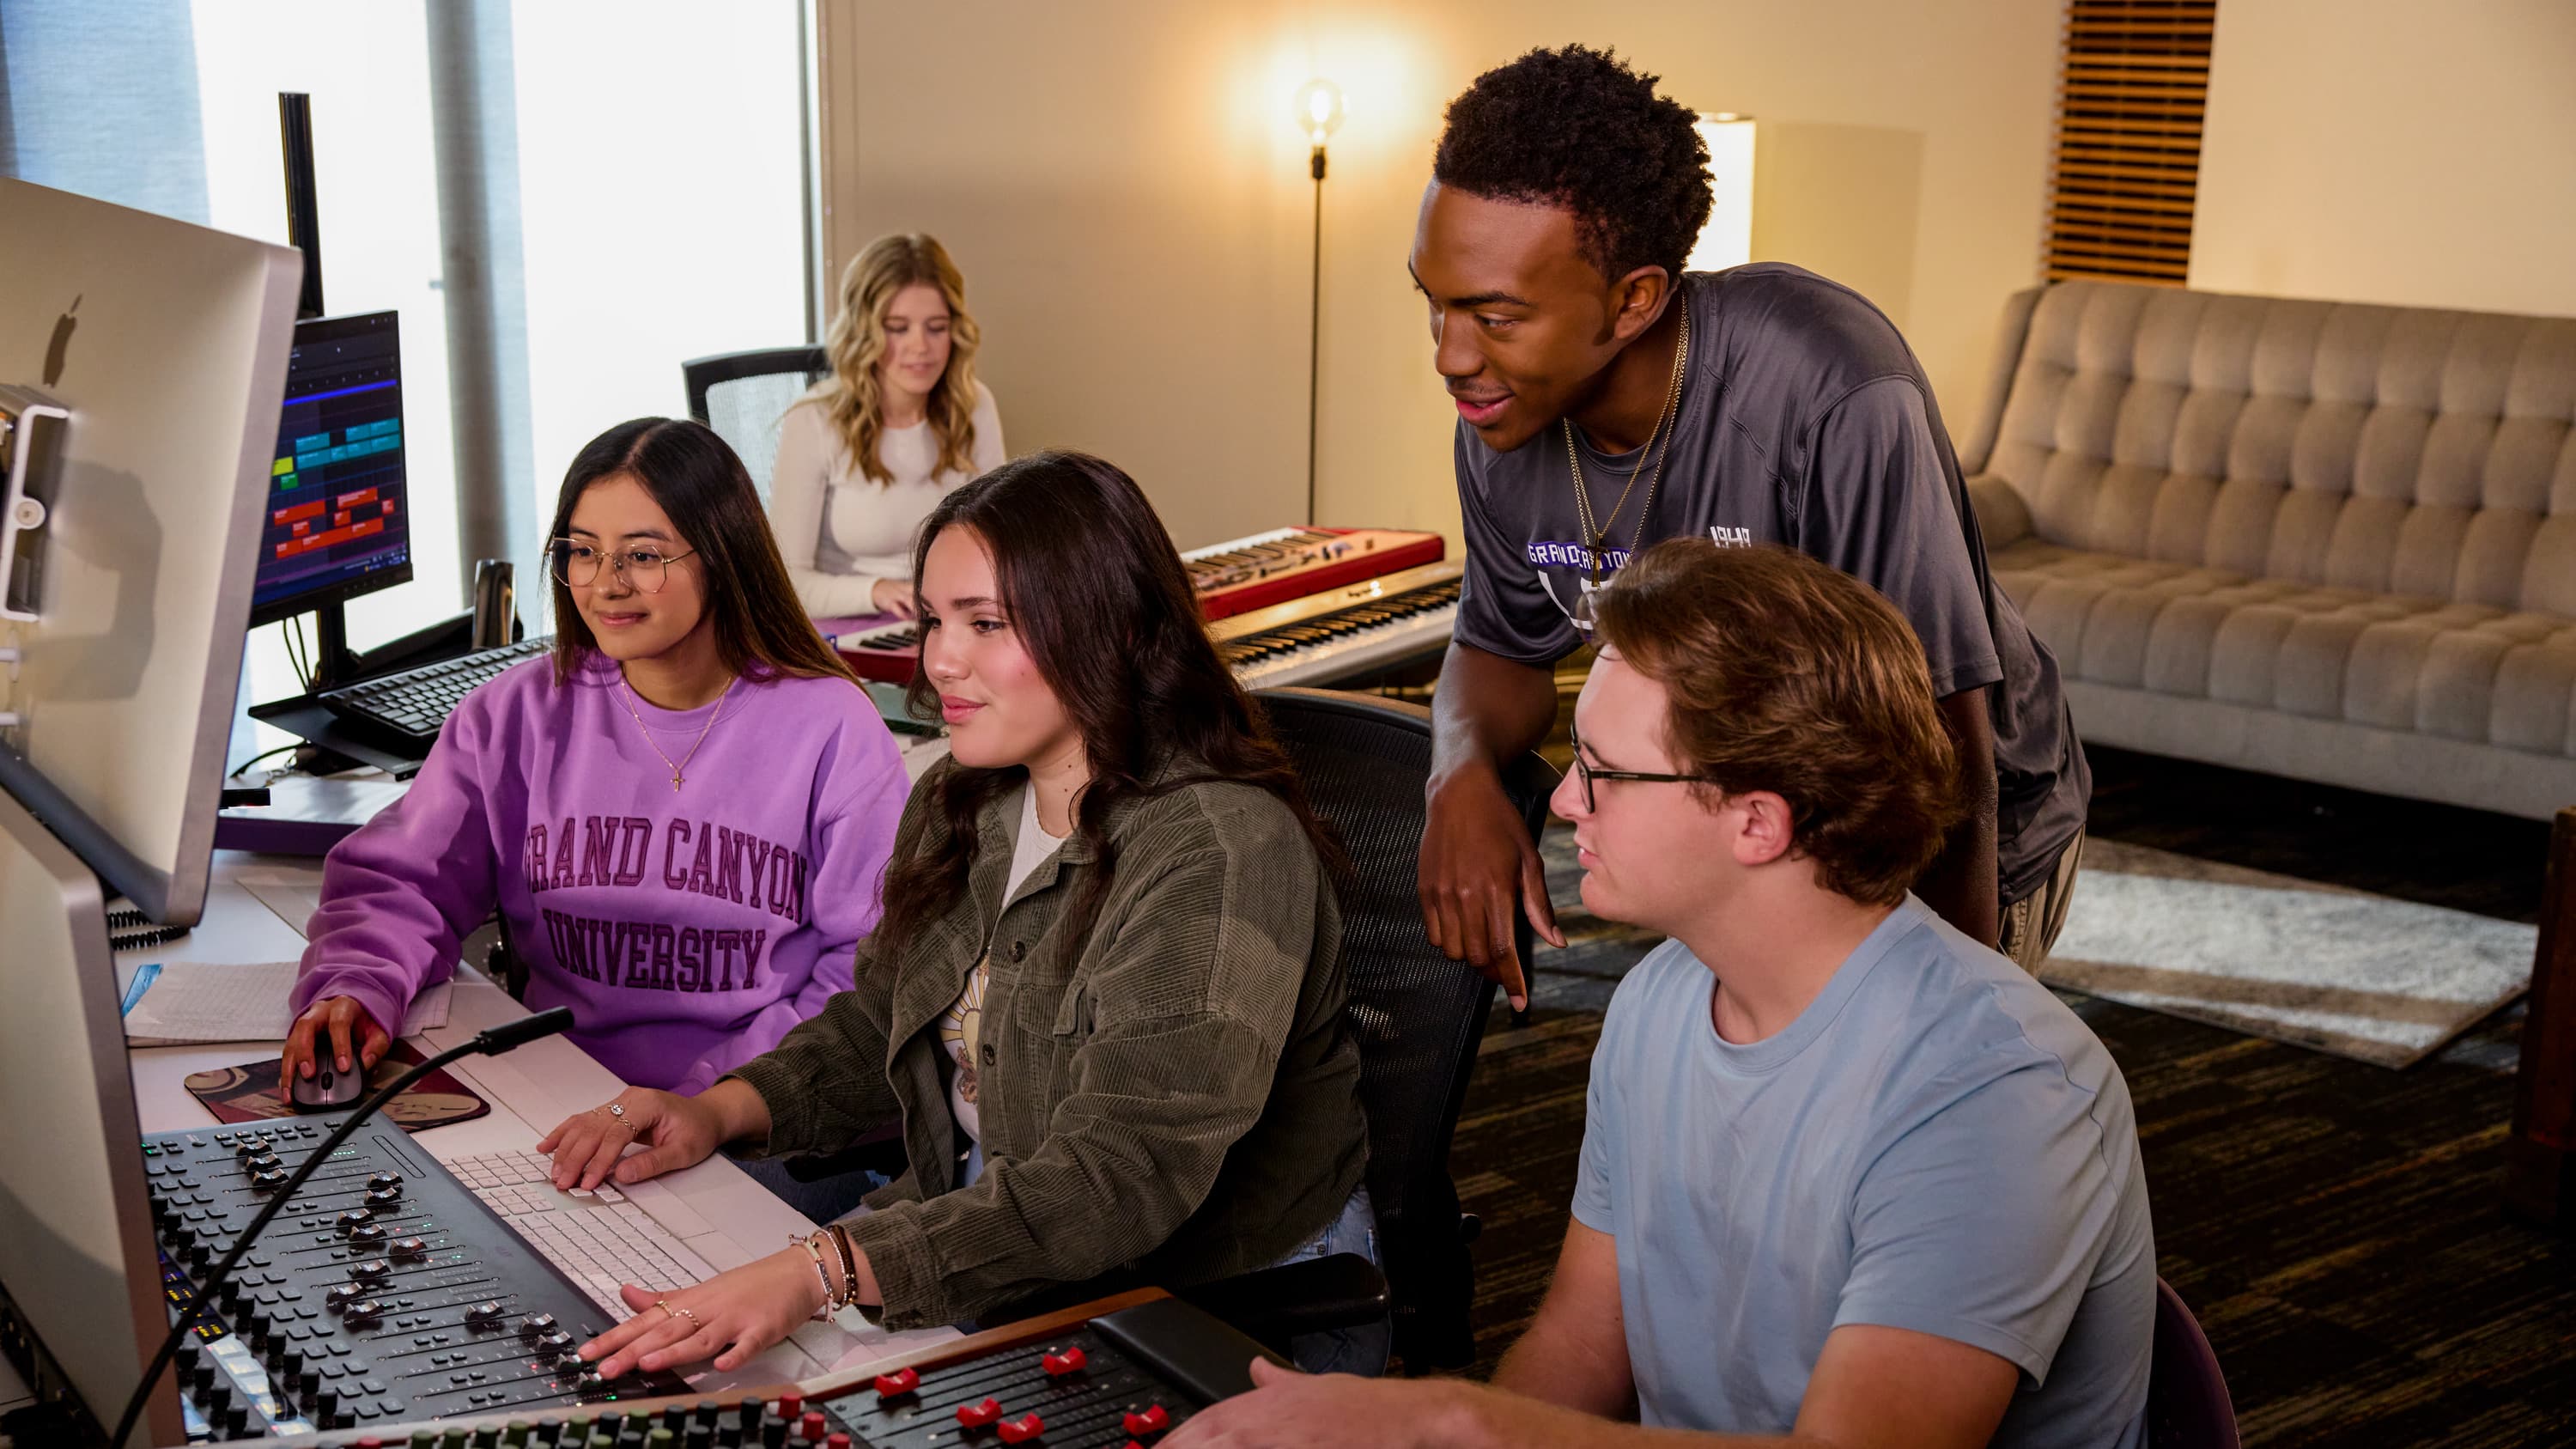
[(684, 815)]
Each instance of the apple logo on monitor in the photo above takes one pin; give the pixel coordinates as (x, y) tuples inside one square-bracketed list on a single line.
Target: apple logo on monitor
[(54, 350)]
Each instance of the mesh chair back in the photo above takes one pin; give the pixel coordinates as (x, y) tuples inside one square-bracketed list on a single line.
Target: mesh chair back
[(1417, 1014), (742, 395), (2188, 1406)]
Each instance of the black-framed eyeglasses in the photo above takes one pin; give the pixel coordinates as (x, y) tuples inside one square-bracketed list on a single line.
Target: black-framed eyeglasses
[(577, 565), (1584, 772)]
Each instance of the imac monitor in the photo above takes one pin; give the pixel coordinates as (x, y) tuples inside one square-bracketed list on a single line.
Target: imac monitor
[(79, 1272), (164, 347), (337, 523)]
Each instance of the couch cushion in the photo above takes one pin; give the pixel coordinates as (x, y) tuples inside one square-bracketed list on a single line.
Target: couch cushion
[(2329, 447), (2465, 671)]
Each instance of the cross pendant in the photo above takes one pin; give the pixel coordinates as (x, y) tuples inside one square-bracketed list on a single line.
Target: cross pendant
[(675, 782)]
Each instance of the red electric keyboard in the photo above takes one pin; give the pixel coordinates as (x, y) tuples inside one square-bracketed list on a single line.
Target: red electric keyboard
[(1230, 578)]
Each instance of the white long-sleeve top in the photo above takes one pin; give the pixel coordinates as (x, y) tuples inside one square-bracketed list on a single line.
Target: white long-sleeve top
[(840, 530)]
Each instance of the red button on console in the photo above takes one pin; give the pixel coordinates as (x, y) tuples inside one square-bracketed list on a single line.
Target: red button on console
[(1069, 1361), (1022, 1429), (901, 1381), (1154, 1420), (976, 1416)]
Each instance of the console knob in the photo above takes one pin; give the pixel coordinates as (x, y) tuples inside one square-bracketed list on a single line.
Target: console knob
[(236, 1421), (367, 1233), (269, 1177), (216, 1397), (409, 1248), (485, 1313), (383, 1197), (341, 1295), (308, 1382), (288, 1360), (370, 1270), (354, 1219), (365, 1310), (262, 1161), (536, 1325), (326, 1404)]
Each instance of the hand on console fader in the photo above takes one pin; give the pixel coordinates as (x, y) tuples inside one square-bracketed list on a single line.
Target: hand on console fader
[(729, 1317)]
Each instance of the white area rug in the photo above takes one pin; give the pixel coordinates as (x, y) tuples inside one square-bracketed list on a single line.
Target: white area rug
[(2339, 970)]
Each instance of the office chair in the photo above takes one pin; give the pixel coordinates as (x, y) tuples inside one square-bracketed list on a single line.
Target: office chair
[(2188, 1406), (743, 394), (1418, 1015)]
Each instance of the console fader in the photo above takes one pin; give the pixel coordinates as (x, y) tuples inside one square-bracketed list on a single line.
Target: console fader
[(384, 1293)]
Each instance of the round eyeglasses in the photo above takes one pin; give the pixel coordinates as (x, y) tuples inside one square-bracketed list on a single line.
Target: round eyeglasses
[(577, 565)]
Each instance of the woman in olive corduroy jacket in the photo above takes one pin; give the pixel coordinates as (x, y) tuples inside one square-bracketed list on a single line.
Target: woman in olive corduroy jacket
[(1105, 999)]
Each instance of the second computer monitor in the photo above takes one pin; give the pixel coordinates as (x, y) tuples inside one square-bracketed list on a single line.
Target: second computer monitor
[(337, 523)]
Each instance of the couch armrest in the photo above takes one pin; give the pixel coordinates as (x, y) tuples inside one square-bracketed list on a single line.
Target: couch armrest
[(2002, 516), (2009, 337)]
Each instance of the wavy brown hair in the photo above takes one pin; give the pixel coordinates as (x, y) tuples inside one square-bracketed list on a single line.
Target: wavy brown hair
[(1091, 584), (1787, 675), (853, 400), (761, 630)]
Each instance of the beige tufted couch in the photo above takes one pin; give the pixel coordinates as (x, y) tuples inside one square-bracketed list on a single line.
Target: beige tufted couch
[(2327, 541)]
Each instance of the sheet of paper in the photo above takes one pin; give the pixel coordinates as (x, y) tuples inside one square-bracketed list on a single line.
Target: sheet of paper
[(195, 1001)]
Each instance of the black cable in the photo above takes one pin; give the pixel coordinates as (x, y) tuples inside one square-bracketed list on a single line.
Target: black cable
[(244, 767), (148, 936), (490, 1043), (293, 632)]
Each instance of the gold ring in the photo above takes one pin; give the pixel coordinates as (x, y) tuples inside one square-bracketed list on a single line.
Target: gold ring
[(693, 1318), (667, 1311)]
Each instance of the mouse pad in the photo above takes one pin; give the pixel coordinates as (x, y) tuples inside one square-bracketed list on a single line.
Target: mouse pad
[(248, 1093)]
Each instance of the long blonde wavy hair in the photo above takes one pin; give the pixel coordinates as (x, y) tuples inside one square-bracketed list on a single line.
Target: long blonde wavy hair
[(852, 396)]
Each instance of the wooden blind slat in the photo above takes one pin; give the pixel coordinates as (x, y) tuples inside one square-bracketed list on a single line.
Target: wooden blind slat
[(2132, 85)]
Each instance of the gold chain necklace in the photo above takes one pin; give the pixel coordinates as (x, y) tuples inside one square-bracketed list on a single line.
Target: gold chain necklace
[(1596, 538), (627, 691)]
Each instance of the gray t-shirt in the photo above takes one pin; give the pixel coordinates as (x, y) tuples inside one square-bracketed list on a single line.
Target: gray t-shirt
[(1805, 421), (1935, 1144)]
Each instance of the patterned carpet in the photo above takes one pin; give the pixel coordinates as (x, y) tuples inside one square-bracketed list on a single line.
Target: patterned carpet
[(2334, 1224)]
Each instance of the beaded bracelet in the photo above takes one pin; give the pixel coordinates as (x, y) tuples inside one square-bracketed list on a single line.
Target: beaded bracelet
[(806, 1241), (849, 1263)]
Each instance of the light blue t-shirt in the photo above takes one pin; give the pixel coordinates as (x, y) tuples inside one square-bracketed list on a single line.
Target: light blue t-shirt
[(1935, 1144)]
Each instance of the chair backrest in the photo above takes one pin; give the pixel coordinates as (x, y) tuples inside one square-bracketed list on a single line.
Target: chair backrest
[(742, 395), (1417, 1014), (2187, 1402)]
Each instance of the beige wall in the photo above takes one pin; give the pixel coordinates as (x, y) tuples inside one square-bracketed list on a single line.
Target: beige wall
[(2392, 151), (1122, 185)]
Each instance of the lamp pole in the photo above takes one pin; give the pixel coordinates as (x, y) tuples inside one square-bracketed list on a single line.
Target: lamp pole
[(1314, 333), (1319, 114)]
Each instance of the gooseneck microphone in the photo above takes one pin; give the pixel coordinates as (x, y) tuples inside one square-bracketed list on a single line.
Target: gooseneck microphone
[(499, 1039)]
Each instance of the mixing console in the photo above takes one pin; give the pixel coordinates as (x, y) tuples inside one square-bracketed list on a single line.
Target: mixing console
[(386, 1292), (1124, 1378)]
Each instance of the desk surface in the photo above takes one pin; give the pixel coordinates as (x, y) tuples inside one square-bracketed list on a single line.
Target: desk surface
[(255, 911)]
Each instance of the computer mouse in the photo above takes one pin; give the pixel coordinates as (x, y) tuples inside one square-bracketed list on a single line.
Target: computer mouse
[(328, 1087)]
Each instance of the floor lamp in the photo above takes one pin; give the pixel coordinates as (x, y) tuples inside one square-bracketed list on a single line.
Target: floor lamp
[(1319, 114)]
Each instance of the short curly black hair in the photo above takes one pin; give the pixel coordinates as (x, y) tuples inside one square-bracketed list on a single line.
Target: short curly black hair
[(1580, 129)]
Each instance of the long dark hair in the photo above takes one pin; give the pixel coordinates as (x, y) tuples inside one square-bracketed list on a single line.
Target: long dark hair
[(1098, 596), (761, 630)]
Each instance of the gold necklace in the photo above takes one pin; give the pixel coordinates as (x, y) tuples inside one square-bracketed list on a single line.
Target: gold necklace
[(1595, 539), (628, 691)]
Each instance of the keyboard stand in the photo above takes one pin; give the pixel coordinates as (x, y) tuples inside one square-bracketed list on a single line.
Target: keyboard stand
[(307, 719)]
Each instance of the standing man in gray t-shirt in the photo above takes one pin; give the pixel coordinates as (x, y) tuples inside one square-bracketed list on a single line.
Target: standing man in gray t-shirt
[(1847, 1175), (1607, 401)]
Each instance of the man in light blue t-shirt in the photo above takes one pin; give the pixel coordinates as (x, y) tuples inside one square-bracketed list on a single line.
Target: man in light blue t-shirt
[(1848, 1176)]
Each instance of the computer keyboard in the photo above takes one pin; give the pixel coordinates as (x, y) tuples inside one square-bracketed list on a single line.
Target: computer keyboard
[(411, 706), (599, 1238)]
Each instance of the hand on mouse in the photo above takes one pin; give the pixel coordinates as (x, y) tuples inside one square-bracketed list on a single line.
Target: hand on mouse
[(355, 1042)]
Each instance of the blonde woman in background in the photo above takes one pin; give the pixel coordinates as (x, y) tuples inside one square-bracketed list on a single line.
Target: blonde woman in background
[(864, 457)]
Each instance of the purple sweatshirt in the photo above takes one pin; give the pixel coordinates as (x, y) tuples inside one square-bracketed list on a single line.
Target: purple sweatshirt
[(687, 931)]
